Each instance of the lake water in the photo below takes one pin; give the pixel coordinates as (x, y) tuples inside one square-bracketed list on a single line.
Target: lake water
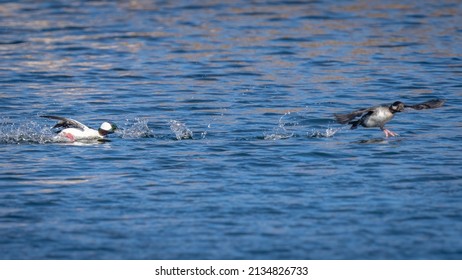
[(264, 172)]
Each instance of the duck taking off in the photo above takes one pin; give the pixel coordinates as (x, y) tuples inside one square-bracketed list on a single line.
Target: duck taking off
[(378, 116), (75, 131)]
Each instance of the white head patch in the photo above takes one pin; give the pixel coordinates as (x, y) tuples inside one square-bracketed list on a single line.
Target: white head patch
[(106, 126)]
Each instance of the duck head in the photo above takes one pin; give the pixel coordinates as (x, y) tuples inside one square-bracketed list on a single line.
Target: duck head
[(398, 106), (107, 128)]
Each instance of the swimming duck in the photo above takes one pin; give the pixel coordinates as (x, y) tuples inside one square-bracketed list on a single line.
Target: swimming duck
[(74, 130), (378, 116)]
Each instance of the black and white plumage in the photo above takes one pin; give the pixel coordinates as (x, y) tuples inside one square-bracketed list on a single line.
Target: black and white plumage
[(378, 116), (74, 130)]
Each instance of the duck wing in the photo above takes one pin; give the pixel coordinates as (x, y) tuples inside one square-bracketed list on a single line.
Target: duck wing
[(431, 104), (346, 118), (66, 123)]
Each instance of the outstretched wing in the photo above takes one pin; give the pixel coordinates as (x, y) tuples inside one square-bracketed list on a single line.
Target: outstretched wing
[(346, 118), (66, 123), (431, 104)]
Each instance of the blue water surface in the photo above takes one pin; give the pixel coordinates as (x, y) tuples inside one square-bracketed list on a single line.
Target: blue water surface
[(227, 147)]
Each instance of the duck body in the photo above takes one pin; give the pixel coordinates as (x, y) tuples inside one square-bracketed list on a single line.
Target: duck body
[(76, 131), (75, 134), (377, 117)]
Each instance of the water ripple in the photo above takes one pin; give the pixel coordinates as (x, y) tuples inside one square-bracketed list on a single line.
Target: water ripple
[(226, 138)]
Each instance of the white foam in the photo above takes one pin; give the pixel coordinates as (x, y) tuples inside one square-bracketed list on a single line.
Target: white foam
[(181, 130)]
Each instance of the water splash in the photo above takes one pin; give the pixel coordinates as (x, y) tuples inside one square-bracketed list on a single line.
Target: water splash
[(327, 133), (294, 124), (277, 136), (24, 132), (137, 128), (280, 131), (213, 122), (181, 130)]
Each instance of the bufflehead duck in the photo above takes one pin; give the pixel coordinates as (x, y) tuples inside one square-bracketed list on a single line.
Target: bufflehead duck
[(74, 130), (378, 116)]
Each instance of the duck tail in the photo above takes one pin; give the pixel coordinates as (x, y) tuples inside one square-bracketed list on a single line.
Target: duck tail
[(343, 118)]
